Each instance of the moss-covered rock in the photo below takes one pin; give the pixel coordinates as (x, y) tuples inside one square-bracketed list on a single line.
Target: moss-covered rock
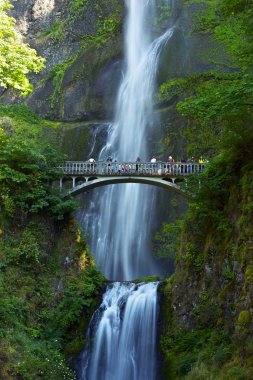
[(146, 279), (244, 318)]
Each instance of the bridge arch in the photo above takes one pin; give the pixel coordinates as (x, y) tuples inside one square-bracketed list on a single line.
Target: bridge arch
[(92, 183)]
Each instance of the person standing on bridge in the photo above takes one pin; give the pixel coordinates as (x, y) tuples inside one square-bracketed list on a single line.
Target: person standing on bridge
[(153, 166), (109, 162), (201, 164), (170, 159), (92, 164), (169, 166), (137, 166)]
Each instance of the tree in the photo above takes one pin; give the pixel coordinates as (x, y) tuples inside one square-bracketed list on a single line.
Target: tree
[(17, 59)]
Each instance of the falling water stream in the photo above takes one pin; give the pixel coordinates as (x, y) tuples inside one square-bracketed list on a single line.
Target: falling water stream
[(123, 335), (120, 225), (119, 219)]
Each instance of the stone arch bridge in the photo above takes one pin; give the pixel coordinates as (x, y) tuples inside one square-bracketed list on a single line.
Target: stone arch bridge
[(81, 176)]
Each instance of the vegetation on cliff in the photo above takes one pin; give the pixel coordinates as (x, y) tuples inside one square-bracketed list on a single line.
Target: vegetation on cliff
[(48, 280), (49, 284), (16, 58), (103, 20), (28, 166), (208, 333)]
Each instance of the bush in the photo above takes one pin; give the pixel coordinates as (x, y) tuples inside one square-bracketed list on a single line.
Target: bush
[(200, 372), (28, 165), (235, 373)]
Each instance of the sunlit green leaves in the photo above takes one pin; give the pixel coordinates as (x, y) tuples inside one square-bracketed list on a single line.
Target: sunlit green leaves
[(17, 59)]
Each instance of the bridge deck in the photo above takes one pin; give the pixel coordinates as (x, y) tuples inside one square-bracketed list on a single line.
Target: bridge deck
[(106, 169), (86, 175)]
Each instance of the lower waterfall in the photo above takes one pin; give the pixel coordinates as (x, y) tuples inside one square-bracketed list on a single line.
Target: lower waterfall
[(121, 338)]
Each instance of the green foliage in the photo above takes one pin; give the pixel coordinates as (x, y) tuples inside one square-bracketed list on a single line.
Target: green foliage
[(16, 58), (182, 350), (208, 211), (228, 273), (196, 354), (193, 258), (56, 31), (169, 366), (42, 300), (77, 296), (58, 74), (163, 14), (28, 164), (206, 312), (218, 104), (49, 364), (218, 107), (28, 249), (146, 279), (200, 372), (249, 273), (77, 6), (167, 241), (236, 373), (20, 116)]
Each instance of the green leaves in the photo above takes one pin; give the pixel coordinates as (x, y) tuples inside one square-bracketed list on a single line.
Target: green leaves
[(16, 58), (28, 165), (167, 240), (218, 104)]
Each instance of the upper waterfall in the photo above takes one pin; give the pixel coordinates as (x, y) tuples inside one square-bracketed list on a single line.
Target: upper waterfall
[(120, 238)]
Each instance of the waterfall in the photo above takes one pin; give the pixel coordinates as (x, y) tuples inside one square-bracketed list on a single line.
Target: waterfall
[(121, 339), (124, 343), (119, 218)]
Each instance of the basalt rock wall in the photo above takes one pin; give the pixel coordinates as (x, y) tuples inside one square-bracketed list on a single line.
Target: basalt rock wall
[(82, 44)]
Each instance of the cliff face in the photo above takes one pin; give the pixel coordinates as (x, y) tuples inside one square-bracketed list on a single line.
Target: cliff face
[(209, 309), (82, 44), (49, 289)]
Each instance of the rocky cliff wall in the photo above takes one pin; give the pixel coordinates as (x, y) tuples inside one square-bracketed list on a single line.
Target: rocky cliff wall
[(82, 44), (207, 305)]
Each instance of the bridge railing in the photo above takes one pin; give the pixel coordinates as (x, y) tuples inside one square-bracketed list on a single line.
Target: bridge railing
[(130, 168)]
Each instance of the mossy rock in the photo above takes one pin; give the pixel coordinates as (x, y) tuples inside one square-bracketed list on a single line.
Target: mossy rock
[(146, 279), (244, 318), (249, 274)]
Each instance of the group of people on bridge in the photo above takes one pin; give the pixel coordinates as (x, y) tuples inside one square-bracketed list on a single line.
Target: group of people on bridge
[(154, 166)]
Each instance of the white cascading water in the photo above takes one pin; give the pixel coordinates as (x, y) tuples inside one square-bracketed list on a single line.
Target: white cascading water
[(124, 339), (122, 332), (119, 218)]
